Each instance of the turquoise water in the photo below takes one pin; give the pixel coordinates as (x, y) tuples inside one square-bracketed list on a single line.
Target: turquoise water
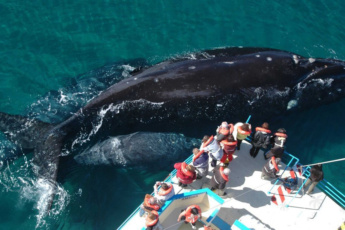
[(47, 46)]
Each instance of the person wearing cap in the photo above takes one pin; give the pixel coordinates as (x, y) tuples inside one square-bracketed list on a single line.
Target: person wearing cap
[(224, 130), (185, 173), (261, 139), (278, 141), (241, 132), (220, 178), (316, 175), (270, 169)]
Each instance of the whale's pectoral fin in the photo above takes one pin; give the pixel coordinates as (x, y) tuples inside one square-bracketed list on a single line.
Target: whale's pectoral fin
[(46, 163)]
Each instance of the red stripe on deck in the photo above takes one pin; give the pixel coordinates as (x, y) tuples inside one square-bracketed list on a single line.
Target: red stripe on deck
[(288, 190), (292, 174), (281, 195)]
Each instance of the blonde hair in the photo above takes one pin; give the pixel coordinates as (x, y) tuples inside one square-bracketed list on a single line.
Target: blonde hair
[(195, 151), (190, 168)]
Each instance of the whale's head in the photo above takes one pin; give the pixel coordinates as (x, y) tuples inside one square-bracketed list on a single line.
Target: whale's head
[(324, 83)]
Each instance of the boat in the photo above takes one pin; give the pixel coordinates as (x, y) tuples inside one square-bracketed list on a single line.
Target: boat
[(252, 202)]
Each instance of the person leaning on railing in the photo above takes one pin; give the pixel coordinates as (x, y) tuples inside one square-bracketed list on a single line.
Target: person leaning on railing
[(185, 173), (316, 175)]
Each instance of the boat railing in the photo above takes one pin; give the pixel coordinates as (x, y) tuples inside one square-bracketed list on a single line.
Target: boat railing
[(332, 192)]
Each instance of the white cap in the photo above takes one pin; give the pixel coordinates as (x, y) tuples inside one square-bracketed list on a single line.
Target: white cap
[(226, 171), (225, 124)]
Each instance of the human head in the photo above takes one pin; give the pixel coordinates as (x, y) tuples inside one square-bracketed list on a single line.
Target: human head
[(152, 200), (226, 171), (205, 138), (196, 151), (265, 125), (245, 127), (194, 211), (231, 138), (190, 168), (151, 216), (225, 124), (165, 186), (281, 130)]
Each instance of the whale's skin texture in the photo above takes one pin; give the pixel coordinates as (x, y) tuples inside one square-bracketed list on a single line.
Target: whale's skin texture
[(186, 95)]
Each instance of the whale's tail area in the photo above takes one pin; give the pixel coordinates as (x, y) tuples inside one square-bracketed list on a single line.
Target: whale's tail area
[(43, 139)]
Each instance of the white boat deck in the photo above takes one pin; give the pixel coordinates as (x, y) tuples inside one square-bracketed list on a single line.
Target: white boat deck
[(248, 200)]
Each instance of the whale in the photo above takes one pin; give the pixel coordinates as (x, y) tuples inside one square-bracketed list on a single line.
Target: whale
[(188, 94), (139, 149)]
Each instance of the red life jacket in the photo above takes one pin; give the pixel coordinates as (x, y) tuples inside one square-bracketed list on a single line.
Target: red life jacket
[(257, 129), (152, 222), (229, 147), (185, 171), (189, 214)]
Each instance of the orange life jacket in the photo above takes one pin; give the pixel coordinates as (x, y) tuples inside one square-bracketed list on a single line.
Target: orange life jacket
[(241, 131), (151, 223), (281, 135), (262, 130), (189, 214), (153, 206)]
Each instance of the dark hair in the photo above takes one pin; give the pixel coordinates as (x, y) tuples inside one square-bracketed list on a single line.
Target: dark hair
[(164, 186), (205, 138), (245, 127), (231, 138), (265, 125), (195, 211), (281, 130)]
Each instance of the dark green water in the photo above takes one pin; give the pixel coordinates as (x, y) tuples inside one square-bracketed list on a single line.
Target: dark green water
[(46, 45)]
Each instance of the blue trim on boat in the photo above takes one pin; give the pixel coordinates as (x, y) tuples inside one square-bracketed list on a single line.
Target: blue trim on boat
[(241, 226), (214, 213), (220, 223), (192, 193)]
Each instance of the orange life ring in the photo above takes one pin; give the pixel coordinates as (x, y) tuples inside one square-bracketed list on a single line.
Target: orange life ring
[(189, 214), (153, 222), (185, 171), (262, 130), (163, 192)]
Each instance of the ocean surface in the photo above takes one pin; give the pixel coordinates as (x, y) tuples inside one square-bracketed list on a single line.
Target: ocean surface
[(57, 55)]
